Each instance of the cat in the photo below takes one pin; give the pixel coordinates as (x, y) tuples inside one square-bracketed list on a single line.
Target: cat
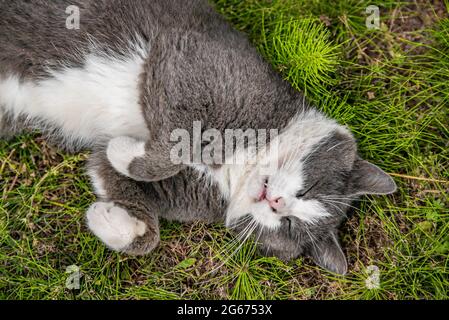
[(137, 71)]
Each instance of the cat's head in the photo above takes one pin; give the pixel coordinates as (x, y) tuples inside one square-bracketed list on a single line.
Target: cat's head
[(298, 206)]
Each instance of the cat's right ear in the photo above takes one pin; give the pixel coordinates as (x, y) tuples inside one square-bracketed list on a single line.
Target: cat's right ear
[(367, 178)]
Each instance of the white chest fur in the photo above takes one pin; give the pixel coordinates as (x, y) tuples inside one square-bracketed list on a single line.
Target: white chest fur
[(88, 104)]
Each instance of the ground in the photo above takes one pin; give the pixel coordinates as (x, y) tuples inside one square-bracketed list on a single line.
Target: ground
[(389, 82)]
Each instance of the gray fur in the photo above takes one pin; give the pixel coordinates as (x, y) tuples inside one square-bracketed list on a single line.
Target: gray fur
[(187, 197), (199, 69)]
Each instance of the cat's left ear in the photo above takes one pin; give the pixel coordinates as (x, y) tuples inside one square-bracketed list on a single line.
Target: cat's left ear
[(367, 178), (327, 254)]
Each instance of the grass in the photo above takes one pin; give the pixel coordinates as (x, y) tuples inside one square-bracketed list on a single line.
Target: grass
[(390, 86)]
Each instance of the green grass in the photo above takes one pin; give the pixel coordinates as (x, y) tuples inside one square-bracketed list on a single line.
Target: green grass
[(390, 86)]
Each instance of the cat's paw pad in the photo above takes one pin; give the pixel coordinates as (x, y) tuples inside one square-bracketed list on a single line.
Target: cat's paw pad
[(121, 151), (113, 225)]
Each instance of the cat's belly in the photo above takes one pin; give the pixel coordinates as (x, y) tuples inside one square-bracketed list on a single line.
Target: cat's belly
[(87, 105)]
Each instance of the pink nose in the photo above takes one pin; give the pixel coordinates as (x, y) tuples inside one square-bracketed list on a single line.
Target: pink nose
[(277, 203)]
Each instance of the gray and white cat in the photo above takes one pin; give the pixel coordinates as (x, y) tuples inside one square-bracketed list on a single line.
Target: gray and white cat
[(137, 70)]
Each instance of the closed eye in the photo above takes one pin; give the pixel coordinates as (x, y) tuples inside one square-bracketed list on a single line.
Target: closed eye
[(301, 194)]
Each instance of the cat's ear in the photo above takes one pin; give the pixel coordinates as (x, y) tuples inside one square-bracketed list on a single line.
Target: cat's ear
[(367, 178), (327, 254)]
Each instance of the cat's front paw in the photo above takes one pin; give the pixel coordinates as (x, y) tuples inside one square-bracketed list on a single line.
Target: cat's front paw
[(113, 225)]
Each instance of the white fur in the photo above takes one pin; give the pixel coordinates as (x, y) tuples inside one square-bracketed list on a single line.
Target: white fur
[(309, 211), (87, 105), (113, 225), (97, 183), (121, 151), (241, 183)]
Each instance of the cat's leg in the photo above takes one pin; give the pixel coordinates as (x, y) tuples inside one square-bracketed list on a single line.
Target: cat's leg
[(140, 160), (124, 218)]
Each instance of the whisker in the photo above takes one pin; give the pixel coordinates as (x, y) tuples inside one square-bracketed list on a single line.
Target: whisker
[(240, 222), (248, 230), (239, 236), (242, 236), (336, 207), (343, 203), (248, 235), (336, 145), (312, 239), (236, 239), (338, 197), (312, 152)]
